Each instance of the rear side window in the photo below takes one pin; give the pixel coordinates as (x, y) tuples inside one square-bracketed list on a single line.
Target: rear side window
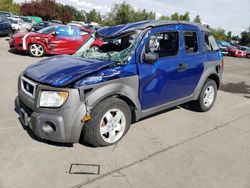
[(191, 42), (164, 44), (210, 43)]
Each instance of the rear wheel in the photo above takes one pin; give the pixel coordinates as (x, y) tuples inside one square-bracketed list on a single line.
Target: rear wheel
[(36, 50), (110, 121), (207, 96)]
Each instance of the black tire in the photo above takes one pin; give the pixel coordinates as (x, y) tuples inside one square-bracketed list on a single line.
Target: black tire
[(10, 33), (36, 55), (91, 130), (199, 105)]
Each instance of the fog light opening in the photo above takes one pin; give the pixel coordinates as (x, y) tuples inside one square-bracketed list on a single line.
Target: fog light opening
[(49, 127)]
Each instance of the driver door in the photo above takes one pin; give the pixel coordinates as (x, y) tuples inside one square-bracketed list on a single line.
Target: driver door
[(170, 77)]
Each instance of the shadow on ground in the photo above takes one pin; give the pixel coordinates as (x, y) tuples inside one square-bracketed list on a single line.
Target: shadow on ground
[(238, 88)]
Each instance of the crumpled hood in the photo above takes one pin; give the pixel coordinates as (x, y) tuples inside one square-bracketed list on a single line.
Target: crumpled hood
[(63, 70)]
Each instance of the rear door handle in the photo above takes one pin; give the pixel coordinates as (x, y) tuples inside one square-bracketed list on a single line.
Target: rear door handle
[(181, 67)]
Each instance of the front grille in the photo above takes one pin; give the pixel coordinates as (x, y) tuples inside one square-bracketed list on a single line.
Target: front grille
[(28, 87)]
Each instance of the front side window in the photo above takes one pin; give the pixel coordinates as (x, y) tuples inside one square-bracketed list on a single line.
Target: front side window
[(164, 44), (67, 31), (191, 42)]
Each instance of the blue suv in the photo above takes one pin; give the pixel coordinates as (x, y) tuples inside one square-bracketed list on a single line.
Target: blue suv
[(141, 68)]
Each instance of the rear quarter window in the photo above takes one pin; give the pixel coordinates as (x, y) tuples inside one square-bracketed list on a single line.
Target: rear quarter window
[(210, 43), (191, 42)]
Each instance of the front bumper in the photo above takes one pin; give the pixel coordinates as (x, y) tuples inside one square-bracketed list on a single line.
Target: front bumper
[(56, 124), (16, 44)]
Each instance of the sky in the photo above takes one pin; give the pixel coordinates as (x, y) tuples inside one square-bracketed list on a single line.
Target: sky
[(231, 15)]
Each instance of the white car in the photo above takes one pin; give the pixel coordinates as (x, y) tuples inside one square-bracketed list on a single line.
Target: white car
[(18, 25)]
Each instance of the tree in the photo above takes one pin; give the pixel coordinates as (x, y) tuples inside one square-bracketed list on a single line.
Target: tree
[(229, 36), (143, 15), (125, 13), (93, 16), (10, 6), (219, 33), (197, 19), (50, 10), (175, 16), (185, 17), (46, 9), (164, 18), (245, 38)]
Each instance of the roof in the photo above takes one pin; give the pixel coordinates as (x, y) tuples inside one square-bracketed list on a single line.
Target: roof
[(118, 30)]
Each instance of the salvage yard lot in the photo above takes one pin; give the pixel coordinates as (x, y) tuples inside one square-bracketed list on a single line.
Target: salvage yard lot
[(176, 148)]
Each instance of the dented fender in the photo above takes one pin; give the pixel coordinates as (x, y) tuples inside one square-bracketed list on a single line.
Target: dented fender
[(126, 87)]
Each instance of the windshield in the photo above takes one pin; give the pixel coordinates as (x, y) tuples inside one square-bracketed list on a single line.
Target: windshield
[(115, 49), (46, 30), (27, 20), (14, 21)]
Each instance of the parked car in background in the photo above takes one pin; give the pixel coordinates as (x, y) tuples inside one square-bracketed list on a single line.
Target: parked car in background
[(7, 14), (29, 23), (57, 39), (223, 49), (246, 49), (95, 96), (18, 25), (232, 50), (79, 22), (35, 19), (75, 24), (41, 25), (235, 52), (5, 25), (56, 21)]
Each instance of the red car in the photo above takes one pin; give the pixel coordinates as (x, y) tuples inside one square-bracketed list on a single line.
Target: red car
[(59, 39), (234, 51)]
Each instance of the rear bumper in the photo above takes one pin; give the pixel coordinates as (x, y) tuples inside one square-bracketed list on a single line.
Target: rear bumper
[(56, 124)]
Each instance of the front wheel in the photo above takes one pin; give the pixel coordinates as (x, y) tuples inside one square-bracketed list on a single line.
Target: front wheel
[(110, 121), (36, 50), (207, 96)]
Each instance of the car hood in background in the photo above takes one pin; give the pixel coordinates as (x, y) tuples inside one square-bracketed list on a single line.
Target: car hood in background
[(63, 70), (30, 34)]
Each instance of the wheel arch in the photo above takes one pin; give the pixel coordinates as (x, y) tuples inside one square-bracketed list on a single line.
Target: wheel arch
[(38, 42), (215, 78), (125, 89), (210, 72)]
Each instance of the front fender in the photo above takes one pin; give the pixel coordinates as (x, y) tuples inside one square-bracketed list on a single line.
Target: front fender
[(127, 87)]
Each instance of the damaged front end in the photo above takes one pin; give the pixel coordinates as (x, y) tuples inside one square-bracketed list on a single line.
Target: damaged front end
[(57, 94)]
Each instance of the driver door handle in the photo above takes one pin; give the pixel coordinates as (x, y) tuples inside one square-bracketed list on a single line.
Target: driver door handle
[(181, 67)]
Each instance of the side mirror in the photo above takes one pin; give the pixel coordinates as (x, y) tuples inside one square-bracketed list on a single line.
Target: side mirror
[(150, 57)]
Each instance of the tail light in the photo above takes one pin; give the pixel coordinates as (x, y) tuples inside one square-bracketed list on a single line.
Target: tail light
[(222, 64)]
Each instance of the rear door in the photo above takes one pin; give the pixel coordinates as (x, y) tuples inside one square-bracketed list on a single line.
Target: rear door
[(193, 56)]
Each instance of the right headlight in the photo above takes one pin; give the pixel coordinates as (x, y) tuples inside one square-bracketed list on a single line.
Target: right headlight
[(53, 98)]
